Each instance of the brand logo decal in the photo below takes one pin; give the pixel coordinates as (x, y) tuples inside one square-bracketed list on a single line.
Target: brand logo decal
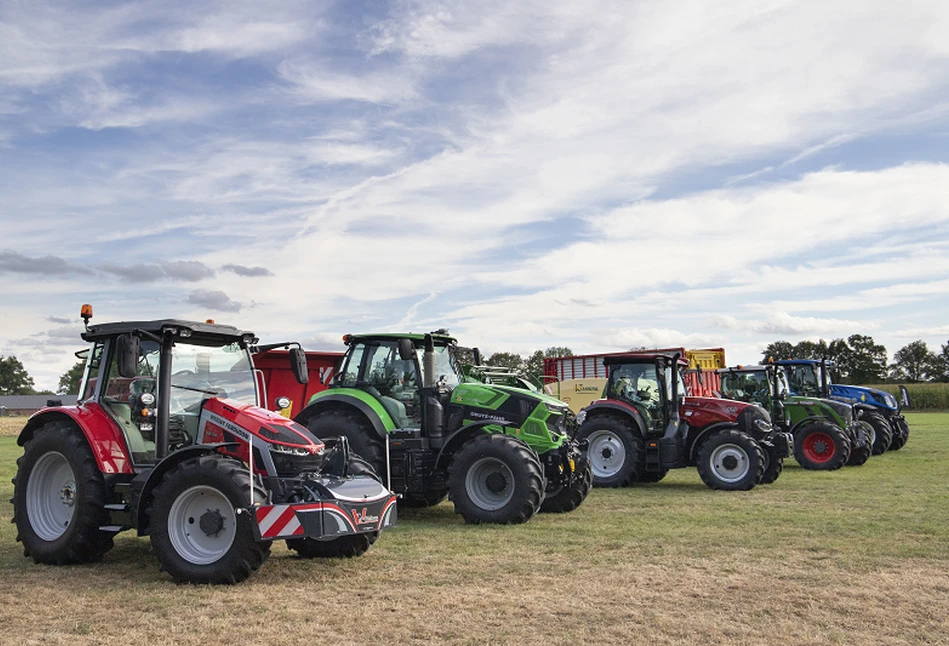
[(363, 518), (495, 418), (580, 388)]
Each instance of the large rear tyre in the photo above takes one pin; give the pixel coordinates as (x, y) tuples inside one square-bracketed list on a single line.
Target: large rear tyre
[(615, 450), (496, 478), (884, 434), (731, 461), (569, 498), (196, 531), (862, 445), (900, 434), (773, 465), (59, 498), (343, 547), (821, 446), (363, 439)]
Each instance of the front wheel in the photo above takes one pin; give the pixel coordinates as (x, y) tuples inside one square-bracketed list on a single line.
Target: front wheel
[(496, 478), (343, 547), (861, 445), (730, 460), (569, 498), (59, 498), (199, 530), (615, 450), (774, 464), (821, 446), (884, 434), (900, 434)]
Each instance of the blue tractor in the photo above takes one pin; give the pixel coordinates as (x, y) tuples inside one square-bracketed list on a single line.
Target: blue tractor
[(812, 378)]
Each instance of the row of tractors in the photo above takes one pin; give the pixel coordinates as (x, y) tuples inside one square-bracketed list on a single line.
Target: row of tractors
[(214, 446)]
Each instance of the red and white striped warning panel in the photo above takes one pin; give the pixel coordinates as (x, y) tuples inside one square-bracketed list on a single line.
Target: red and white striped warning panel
[(280, 521)]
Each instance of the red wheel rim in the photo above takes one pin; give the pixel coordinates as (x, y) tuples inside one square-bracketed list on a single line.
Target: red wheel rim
[(819, 447)]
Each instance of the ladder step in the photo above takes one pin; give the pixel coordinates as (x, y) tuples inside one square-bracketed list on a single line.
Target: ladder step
[(114, 529), (117, 507)]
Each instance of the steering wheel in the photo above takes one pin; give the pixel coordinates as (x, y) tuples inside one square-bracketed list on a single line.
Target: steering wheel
[(184, 373)]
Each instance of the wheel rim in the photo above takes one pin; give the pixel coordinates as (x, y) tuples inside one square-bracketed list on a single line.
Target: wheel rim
[(818, 447), (51, 496), (490, 484), (730, 462), (607, 453), (202, 525)]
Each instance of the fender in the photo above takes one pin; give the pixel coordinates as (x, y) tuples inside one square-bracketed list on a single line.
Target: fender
[(102, 434), (707, 432), (812, 418), (459, 437), (604, 407), (381, 421), (140, 503)]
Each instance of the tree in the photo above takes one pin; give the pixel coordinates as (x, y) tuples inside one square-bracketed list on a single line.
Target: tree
[(779, 350), (914, 362), (942, 364), (865, 363), (534, 365), (14, 379), (506, 359), (69, 382)]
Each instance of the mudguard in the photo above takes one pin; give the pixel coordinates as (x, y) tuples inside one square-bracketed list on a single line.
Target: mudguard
[(353, 399)]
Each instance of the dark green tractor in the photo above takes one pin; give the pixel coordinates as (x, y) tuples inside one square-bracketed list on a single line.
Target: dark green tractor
[(826, 434), (499, 452)]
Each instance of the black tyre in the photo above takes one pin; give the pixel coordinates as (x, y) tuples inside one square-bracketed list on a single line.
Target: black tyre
[(884, 434), (569, 498), (496, 478), (861, 445), (427, 499), (195, 529), (363, 439), (773, 464), (59, 498), (342, 547), (647, 477), (900, 434), (821, 446), (615, 450), (731, 461)]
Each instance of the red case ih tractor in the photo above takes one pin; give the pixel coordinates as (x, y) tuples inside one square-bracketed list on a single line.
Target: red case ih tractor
[(168, 439), (647, 425)]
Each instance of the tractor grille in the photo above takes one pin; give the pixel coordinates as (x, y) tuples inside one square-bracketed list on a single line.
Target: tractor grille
[(557, 423), (289, 466)]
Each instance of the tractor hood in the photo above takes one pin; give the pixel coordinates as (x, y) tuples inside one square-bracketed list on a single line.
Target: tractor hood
[(223, 417), (712, 409), (861, 395)]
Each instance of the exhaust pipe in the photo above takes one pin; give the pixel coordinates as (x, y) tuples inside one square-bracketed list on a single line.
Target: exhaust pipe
[(428, 363)]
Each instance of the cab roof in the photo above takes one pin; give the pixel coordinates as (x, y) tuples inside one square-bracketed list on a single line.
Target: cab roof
[(801, 362), (198, 332), (641, 357), (752, 368), (440, 338)]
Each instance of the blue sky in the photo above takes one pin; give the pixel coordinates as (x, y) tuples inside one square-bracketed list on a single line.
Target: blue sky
[(599, 175)]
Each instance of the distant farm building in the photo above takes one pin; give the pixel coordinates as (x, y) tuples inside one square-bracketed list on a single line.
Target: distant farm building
[(29, 404)]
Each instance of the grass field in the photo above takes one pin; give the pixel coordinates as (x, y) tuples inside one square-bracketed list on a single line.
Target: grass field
[(857, 556)]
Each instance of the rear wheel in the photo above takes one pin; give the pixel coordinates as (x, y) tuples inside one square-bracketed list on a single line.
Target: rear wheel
[(569, 498), (615, 450), (884, 434), (731, 461), (900, 434), (342, 547), (496, 478), (861, 445), (363, 439), (820, 446), (59, 498), (196, 530)]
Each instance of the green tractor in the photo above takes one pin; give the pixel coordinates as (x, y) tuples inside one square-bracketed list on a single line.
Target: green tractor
[(826, 434), (499, 452)]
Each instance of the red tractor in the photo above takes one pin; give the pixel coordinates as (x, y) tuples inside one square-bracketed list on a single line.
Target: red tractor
[(168, 440), (647, 425)]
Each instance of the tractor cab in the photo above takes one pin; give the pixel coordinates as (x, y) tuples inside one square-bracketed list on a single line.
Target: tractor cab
[(766, 386), (651, 384)]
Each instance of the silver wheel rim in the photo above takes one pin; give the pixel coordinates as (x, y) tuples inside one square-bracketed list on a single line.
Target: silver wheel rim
[(51, 496), (730, 462), (607, 453), (192, 542), (489, 484)]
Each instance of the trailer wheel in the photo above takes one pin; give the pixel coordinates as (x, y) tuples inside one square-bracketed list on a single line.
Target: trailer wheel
[(731, 461), (342, 547), (821, 446), (884, 434), (496, 478), (569, 498), (197, 529), (861, 445), (774, 465), (59, 498), (362, 438), (615, 450), (900, 434)]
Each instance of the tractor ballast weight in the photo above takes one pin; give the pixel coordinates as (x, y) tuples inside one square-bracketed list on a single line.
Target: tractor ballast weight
[(168, 440), (811, 378), (501, 453), (646, 425)]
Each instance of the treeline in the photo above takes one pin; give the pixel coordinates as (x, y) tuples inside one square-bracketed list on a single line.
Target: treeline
[(860, 360), (15, 380), (532, 364)]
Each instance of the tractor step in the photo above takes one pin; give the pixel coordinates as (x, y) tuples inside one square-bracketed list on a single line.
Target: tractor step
[(114, 529), (121, 506)]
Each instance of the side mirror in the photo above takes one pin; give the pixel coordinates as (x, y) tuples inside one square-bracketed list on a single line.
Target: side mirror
[(476, 356), (406, 350), (298, 365), (127, 349)]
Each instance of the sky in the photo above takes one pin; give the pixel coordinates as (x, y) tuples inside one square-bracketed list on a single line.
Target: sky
[(593, 174)]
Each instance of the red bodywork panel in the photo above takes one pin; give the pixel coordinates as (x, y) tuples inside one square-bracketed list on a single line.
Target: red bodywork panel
[(280, 382), (104, 435), (702, 411)]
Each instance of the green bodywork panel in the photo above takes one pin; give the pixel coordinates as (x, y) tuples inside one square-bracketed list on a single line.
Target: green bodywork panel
[(800, 408), (491, 399), (362, 396)]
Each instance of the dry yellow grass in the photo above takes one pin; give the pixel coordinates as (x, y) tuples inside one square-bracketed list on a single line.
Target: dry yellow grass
[(859, 556), (11, 426)]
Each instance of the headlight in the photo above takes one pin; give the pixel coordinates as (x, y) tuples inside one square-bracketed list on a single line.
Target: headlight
[(289, 450), (762, 425), (889, 399), (581, 416)]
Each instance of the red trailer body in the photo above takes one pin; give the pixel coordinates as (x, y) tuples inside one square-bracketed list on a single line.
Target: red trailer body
[(278, 380), (701, 378)]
